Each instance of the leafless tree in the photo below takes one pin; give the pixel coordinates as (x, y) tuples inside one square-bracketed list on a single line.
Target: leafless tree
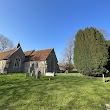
[(5, 43), (68, 51), (105, 33), (67, 57)]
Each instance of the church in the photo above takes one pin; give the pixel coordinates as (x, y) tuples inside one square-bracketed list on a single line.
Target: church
[(16, 61)]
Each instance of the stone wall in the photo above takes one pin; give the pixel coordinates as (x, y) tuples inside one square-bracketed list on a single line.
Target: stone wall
[(26, 66), (30, 65), (17, 54), (52, 63), (38, 65), (42, 66), (3, 66)]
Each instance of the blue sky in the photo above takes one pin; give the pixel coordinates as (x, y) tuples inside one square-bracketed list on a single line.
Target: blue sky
[(41, 24)]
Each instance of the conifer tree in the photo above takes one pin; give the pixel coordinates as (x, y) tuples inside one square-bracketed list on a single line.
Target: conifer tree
[(108, 63), (90, 52)]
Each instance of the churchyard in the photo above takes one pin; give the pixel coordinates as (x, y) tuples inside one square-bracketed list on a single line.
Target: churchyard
[(62, 92)]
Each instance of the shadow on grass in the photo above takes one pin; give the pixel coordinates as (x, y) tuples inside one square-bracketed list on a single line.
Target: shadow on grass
[(12, 91), (39, 92)]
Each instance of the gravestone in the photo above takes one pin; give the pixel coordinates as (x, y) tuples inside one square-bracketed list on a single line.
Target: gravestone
[(29, 70), (32, 68), (66, 71), (38, 75), (33, 73), (26, 75), (50, 74)]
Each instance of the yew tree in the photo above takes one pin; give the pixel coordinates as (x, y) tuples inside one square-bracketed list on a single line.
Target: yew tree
[(90, 52)]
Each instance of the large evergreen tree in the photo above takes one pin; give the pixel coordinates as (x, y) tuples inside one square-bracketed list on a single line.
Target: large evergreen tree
[(108, 63), (90, 52)]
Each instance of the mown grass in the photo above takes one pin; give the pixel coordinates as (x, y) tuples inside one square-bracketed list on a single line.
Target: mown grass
[(62, 92)]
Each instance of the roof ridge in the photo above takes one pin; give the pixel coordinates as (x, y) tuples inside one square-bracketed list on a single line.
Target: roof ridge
[(7, 54), (41, 54), (28, 50), (45, 49), (49, 53), (14, 51)]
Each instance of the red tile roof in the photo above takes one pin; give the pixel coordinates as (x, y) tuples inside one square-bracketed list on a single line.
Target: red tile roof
[(5, 55), (40, 55), (27, 53)]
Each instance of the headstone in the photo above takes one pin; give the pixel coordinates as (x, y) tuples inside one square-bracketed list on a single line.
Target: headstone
[(26, 75), (38, 75), (32, 67), (66, 71), (50, 74), (33, 73), (29, 70)]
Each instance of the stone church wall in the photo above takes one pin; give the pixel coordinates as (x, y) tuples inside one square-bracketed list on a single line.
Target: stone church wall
[(42, 67), (3, 64), (31, 64), (38, 66), (52, 63), (17, 54)]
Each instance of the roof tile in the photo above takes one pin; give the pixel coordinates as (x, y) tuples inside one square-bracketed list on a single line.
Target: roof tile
[(40, 55), (5, 55)]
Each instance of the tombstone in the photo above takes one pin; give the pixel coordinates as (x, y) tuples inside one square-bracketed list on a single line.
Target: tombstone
[(33, 73), (26, 75), (29, 70), (50, 74), (38, 75), (32, 67), (66, 71)]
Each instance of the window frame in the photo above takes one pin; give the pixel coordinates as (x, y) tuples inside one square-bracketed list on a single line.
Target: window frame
[(17, 62)]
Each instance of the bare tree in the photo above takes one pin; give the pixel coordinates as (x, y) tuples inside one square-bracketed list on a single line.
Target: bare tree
[(68, 51), (67, 58), (5, 43), (105, 33)]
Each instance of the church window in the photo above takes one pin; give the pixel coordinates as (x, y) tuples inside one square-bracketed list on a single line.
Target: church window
[(17, 63)]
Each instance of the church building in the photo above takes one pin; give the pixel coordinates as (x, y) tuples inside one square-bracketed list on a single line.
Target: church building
[(15, 60)]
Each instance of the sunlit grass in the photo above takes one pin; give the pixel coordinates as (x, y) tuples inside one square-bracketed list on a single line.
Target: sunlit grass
[(62, 92)]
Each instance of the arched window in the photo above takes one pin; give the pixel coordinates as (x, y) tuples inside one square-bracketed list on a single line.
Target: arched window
[(17, 63)]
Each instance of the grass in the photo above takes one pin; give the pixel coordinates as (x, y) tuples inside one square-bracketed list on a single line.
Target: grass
[(62, 92)]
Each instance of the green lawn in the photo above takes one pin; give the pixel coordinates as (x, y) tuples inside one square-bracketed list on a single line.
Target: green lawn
[(63, 92)]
